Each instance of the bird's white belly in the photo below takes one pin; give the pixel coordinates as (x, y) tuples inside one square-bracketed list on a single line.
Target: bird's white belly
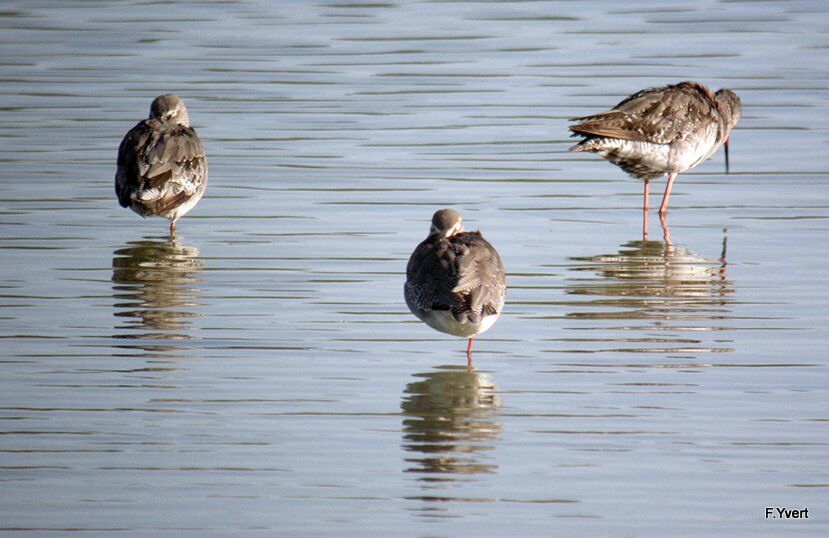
[(144, 202), (181, 210), (444, 321), (642, 158), (635, 156), (688, 154)]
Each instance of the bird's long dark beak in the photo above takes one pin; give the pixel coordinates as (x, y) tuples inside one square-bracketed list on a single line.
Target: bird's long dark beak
[(726, 155)]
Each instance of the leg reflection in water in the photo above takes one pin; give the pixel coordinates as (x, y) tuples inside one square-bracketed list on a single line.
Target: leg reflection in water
[(658, 295)]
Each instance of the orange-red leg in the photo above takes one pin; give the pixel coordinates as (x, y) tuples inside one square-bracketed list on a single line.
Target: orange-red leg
[(469, 353), (664, 206)]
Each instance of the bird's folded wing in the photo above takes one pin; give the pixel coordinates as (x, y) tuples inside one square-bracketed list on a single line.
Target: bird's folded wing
[(656, 115)]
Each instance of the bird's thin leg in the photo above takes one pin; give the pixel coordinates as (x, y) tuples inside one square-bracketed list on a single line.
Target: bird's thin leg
[(664, 206), (469, 353), (646, 199), (645, 207), (172, 228)]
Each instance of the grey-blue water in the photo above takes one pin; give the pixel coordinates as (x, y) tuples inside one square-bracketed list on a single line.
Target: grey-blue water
[(261, 375)]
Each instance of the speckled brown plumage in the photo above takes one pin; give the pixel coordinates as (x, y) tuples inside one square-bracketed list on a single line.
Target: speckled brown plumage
[(658, 131), (458, 274), (162, 167), (658, 115), (462, 274)]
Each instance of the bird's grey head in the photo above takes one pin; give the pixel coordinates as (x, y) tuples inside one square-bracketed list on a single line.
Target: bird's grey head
[(446, 222), (729, 106), (169, 108)]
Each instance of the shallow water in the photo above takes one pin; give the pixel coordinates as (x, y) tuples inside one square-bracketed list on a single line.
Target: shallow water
[(262, 375)]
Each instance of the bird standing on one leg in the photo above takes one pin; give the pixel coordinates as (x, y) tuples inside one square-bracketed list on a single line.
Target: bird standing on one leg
[(162, 168), (455, 280), (658, 131)]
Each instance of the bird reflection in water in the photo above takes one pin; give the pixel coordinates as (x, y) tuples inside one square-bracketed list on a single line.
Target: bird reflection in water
[(156, 285), (450, 423), (656, 281)]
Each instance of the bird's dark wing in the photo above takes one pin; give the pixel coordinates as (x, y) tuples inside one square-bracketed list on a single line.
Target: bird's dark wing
[(128, 174), (431, 274), (480, 281), (463, 274), (160, 166), (657, 115)]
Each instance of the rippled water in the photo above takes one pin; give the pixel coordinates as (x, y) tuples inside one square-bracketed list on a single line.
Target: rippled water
[(261, 373)]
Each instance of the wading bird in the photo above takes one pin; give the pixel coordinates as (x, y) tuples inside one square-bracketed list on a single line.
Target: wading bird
[(162, 168), (658, 131), (455, 280)]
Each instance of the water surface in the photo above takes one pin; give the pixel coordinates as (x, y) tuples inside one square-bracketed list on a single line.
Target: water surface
[(261, 373)]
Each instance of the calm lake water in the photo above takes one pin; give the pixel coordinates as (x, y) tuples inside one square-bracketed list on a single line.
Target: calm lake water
[(262, 375)]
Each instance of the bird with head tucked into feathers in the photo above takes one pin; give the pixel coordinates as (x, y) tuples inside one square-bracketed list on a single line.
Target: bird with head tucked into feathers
[(455, 280), (162, 167), (657, 131)]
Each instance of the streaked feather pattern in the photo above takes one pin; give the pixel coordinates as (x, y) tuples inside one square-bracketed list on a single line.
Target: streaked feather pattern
[(462, 273), (162, 167), (660, 130)]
